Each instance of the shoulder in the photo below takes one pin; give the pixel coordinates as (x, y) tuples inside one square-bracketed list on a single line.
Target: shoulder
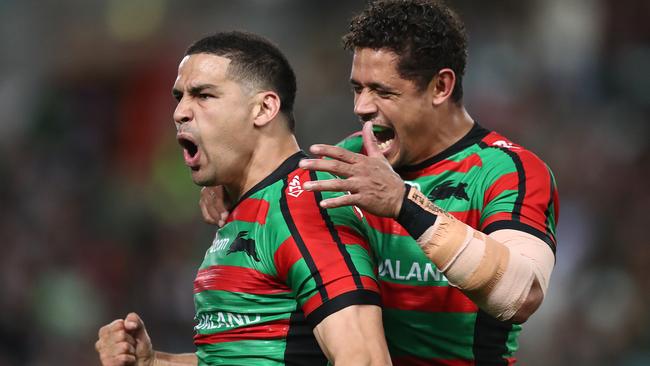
[(502, 154)]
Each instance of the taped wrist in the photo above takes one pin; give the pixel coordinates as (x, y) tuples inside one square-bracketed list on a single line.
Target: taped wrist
[(417, 213), (494, 277), (497, 280)]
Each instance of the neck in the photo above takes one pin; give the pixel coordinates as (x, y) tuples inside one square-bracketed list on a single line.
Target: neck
[(271, 150), (453, 123)]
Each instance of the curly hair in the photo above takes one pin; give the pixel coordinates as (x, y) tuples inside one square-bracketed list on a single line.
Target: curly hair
[(426, 35)]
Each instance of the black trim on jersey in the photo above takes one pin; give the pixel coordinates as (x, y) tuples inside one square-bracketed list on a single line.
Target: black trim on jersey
[(521, 177), (518, 225), (356, 297), (547, 213), (490, 337), (280, 172), (295, 234), (335, 235), (474, 136), (301, 345), (521, 189)]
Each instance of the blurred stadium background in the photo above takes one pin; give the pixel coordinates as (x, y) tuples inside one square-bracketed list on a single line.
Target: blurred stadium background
[(98, 216)]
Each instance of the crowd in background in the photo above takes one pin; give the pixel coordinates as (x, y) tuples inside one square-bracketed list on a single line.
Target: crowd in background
[(98, 215)]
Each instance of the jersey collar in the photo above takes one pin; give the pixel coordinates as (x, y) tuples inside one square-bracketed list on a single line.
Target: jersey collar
[(282, 171), (474, 136)]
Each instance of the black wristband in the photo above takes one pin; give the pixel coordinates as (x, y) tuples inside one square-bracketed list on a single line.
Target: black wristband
[(414, 217)]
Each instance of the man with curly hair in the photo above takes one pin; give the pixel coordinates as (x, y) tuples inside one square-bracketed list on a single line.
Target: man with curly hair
[(473, 252), (463, 219)]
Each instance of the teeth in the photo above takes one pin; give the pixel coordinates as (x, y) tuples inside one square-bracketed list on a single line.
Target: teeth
[(386, 144)]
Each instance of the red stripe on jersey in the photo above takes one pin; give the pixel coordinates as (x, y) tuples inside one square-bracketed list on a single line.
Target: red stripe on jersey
[(323, 249), (250, 210), (538, 191), (369, 283), (415, 361), (272, 330), (349, 236), (503, 183), (285, 256), (237, 279), (470, 217), (385, 225), (462, 166), (425, 298), (495, 139)]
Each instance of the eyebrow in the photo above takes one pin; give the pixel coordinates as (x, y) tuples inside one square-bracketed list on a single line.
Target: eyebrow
[(195, 90), (373, 86)]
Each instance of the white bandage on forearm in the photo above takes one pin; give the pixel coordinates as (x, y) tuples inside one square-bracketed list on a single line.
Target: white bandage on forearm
[(495, 271)]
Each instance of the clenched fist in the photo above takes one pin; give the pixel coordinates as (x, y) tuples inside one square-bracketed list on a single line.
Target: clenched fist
[(125, 342)]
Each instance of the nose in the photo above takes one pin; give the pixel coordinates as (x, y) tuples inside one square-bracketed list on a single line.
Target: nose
[(364, 105), (183, 112)]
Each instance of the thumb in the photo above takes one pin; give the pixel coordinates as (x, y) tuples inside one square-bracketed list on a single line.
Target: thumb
[(134, 325), (370, 141)]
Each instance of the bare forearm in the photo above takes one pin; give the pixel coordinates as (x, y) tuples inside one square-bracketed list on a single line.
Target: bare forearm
[(171, 359), (354, 336)]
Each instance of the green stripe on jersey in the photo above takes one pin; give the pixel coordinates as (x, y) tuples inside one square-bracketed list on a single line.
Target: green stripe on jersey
[(412, 332), (250, 352)]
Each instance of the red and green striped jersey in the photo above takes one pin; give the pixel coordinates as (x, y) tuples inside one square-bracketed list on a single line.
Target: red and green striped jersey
[(490, 183), (278, 267)]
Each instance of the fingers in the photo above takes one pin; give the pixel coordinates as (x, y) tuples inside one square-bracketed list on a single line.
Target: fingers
[(223, 218), (206, 205), (331, 166), (214, 205), (333, 185), (133, 324), (115, 346), (345, 200), (370, 141), (207, 215), (335, 152)]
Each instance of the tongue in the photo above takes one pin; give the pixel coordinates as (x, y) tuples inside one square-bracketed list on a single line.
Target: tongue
[(191, 160)]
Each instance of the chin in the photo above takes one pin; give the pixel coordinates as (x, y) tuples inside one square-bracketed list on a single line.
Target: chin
[(201, 180)]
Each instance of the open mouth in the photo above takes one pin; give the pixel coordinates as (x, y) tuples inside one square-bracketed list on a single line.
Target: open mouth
[(191, 153), (188, 146), (384, 135)]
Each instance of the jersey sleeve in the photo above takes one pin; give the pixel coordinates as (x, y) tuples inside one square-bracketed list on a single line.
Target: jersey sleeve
[(520, 194), (326, 260)]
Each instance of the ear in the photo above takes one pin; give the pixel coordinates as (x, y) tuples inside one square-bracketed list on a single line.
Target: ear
[(442, 86), (266, 109)]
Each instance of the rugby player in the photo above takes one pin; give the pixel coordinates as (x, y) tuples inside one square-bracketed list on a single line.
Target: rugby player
[(285, 281)]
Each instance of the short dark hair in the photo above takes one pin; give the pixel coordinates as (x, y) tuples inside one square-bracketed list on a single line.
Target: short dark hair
[(426, 35), (254, 60)]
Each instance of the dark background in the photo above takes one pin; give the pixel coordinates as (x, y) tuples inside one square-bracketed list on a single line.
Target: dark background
[(98, 215)]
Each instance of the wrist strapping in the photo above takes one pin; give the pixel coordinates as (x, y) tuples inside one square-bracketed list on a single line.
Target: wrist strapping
[(416, 216), (485, 269)]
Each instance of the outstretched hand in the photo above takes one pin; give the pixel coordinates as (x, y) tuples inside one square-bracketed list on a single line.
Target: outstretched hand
[(371, 182)]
